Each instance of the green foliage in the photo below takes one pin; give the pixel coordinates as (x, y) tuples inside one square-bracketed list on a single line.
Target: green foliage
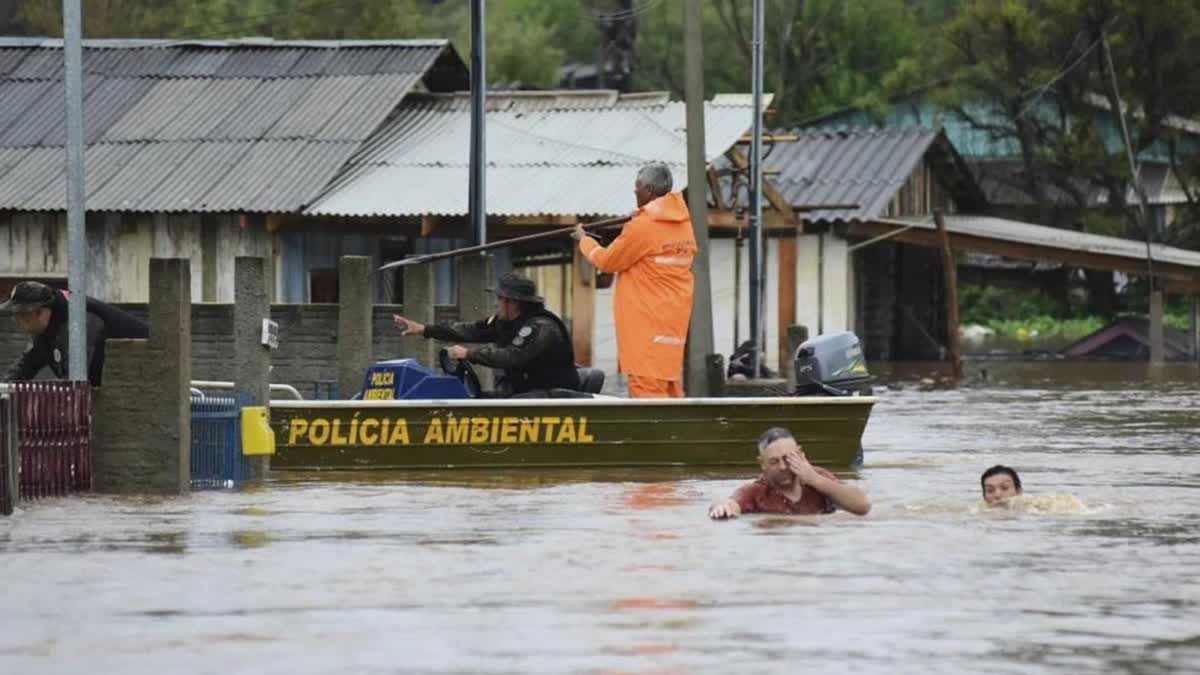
[(983, 304), (1048, 328)]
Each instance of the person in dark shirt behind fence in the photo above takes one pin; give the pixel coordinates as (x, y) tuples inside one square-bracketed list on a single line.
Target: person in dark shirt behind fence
[(41, 312), (789, 484)]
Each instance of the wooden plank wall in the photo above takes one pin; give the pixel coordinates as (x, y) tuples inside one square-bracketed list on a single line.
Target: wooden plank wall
[(120, 246)]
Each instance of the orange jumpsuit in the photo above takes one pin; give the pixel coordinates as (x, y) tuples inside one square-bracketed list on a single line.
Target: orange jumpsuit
[(653, 299)]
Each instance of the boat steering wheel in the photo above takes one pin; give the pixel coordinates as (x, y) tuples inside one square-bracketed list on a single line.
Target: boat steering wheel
[(463, 371)]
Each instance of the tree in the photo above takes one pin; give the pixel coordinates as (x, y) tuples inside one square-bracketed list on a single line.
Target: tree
[(819, 55), (1037, 76)]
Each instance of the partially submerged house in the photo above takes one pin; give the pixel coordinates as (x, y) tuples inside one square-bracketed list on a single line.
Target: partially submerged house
[(1128, 339), (876, 267)]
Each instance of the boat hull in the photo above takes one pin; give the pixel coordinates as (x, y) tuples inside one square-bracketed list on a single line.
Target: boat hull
[(493, 433)]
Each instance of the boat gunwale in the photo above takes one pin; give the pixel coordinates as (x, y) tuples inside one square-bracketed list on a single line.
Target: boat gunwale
[(576, 402)]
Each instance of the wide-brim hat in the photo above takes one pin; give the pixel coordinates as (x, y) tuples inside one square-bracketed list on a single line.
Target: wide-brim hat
[(27, 295), (513, 286)]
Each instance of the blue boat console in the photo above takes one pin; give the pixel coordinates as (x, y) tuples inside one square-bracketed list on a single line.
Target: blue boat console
[(408, 380)]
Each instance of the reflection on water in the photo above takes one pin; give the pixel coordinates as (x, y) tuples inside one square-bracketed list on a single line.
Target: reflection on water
[(1093, 570)]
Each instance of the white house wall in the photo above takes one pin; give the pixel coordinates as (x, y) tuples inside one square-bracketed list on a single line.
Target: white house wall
[(836, 313)]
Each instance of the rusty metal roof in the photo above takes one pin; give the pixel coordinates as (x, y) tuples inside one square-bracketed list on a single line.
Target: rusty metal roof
[(225, 125), (549, 153)]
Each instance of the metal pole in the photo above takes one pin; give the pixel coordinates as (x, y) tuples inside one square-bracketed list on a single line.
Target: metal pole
[(477, 206), (76, 260), (700, 330), (756, 235)]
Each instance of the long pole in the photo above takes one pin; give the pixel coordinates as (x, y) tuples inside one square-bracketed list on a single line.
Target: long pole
[(477, 201), (756, 235), (433, 257), (76, 260), (700, 329)]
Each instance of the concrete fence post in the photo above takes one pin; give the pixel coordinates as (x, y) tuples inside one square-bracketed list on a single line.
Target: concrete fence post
[(252, 359), (419, 288), (143, 437), (355, 343), (475, 274)]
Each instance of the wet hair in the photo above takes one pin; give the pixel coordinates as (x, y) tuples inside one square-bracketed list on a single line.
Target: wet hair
[(997, 470), (657, 177), (771, 435)]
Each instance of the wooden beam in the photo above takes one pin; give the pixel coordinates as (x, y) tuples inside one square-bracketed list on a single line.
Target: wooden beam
[(771, 138), (583, 307), (1184, 278), (950, 276), (787, 301), (776, 199), (428, 223), (772, 220)]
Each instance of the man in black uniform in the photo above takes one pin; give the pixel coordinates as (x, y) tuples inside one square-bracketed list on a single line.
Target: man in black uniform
[(528, 342), (41, 312)]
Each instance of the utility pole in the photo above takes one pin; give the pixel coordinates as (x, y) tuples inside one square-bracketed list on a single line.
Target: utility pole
[(700, 330), (477, 207), (756, 230), (1157, 347), (76, 234)]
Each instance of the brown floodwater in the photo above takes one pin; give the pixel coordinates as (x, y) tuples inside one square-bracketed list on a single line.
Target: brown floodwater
[(1095, 571)]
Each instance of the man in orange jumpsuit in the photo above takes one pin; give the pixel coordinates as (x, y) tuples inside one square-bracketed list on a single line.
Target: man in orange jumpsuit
[(653, 301)]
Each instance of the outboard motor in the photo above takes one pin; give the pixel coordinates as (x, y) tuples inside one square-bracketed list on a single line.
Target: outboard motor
[(832, 365)]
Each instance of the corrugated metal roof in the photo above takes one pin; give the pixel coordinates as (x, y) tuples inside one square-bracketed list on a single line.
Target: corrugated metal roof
[(540, 162), (165, 101), (258, 62), (16, 98), (1000, 229), (37, 167), (100, 163), (272, 100), (40, 64), (197, 63), (203, 125), (10, 59), (847, 166), (44, 113)]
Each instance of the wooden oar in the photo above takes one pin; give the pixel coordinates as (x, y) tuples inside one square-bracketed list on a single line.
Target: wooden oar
[(607, 223)]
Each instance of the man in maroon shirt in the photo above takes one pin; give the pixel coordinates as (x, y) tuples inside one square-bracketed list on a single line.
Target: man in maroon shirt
[(789, 484)]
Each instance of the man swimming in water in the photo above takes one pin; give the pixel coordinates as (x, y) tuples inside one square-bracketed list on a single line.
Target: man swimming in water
[(789, 484), (999, 483)]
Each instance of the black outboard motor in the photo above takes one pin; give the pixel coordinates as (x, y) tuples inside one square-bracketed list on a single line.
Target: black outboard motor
[(832, 365)]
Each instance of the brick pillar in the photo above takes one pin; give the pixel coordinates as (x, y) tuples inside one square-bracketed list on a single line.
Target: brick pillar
[(355, 346)]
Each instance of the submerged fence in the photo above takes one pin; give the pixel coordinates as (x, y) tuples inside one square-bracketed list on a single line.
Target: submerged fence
[(217, 459), (46, 444)]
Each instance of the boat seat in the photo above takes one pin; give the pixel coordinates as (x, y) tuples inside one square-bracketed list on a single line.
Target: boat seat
[(591, 380)]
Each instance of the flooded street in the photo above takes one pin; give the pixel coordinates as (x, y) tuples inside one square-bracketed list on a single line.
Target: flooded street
[(1095, 571)]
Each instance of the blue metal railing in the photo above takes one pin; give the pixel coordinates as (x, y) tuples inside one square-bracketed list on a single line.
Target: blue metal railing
[(217, 460)]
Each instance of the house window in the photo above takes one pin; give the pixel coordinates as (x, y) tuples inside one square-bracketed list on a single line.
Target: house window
[(323, 285)]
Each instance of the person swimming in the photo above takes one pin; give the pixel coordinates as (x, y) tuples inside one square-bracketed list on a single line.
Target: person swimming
[(999, 484)]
